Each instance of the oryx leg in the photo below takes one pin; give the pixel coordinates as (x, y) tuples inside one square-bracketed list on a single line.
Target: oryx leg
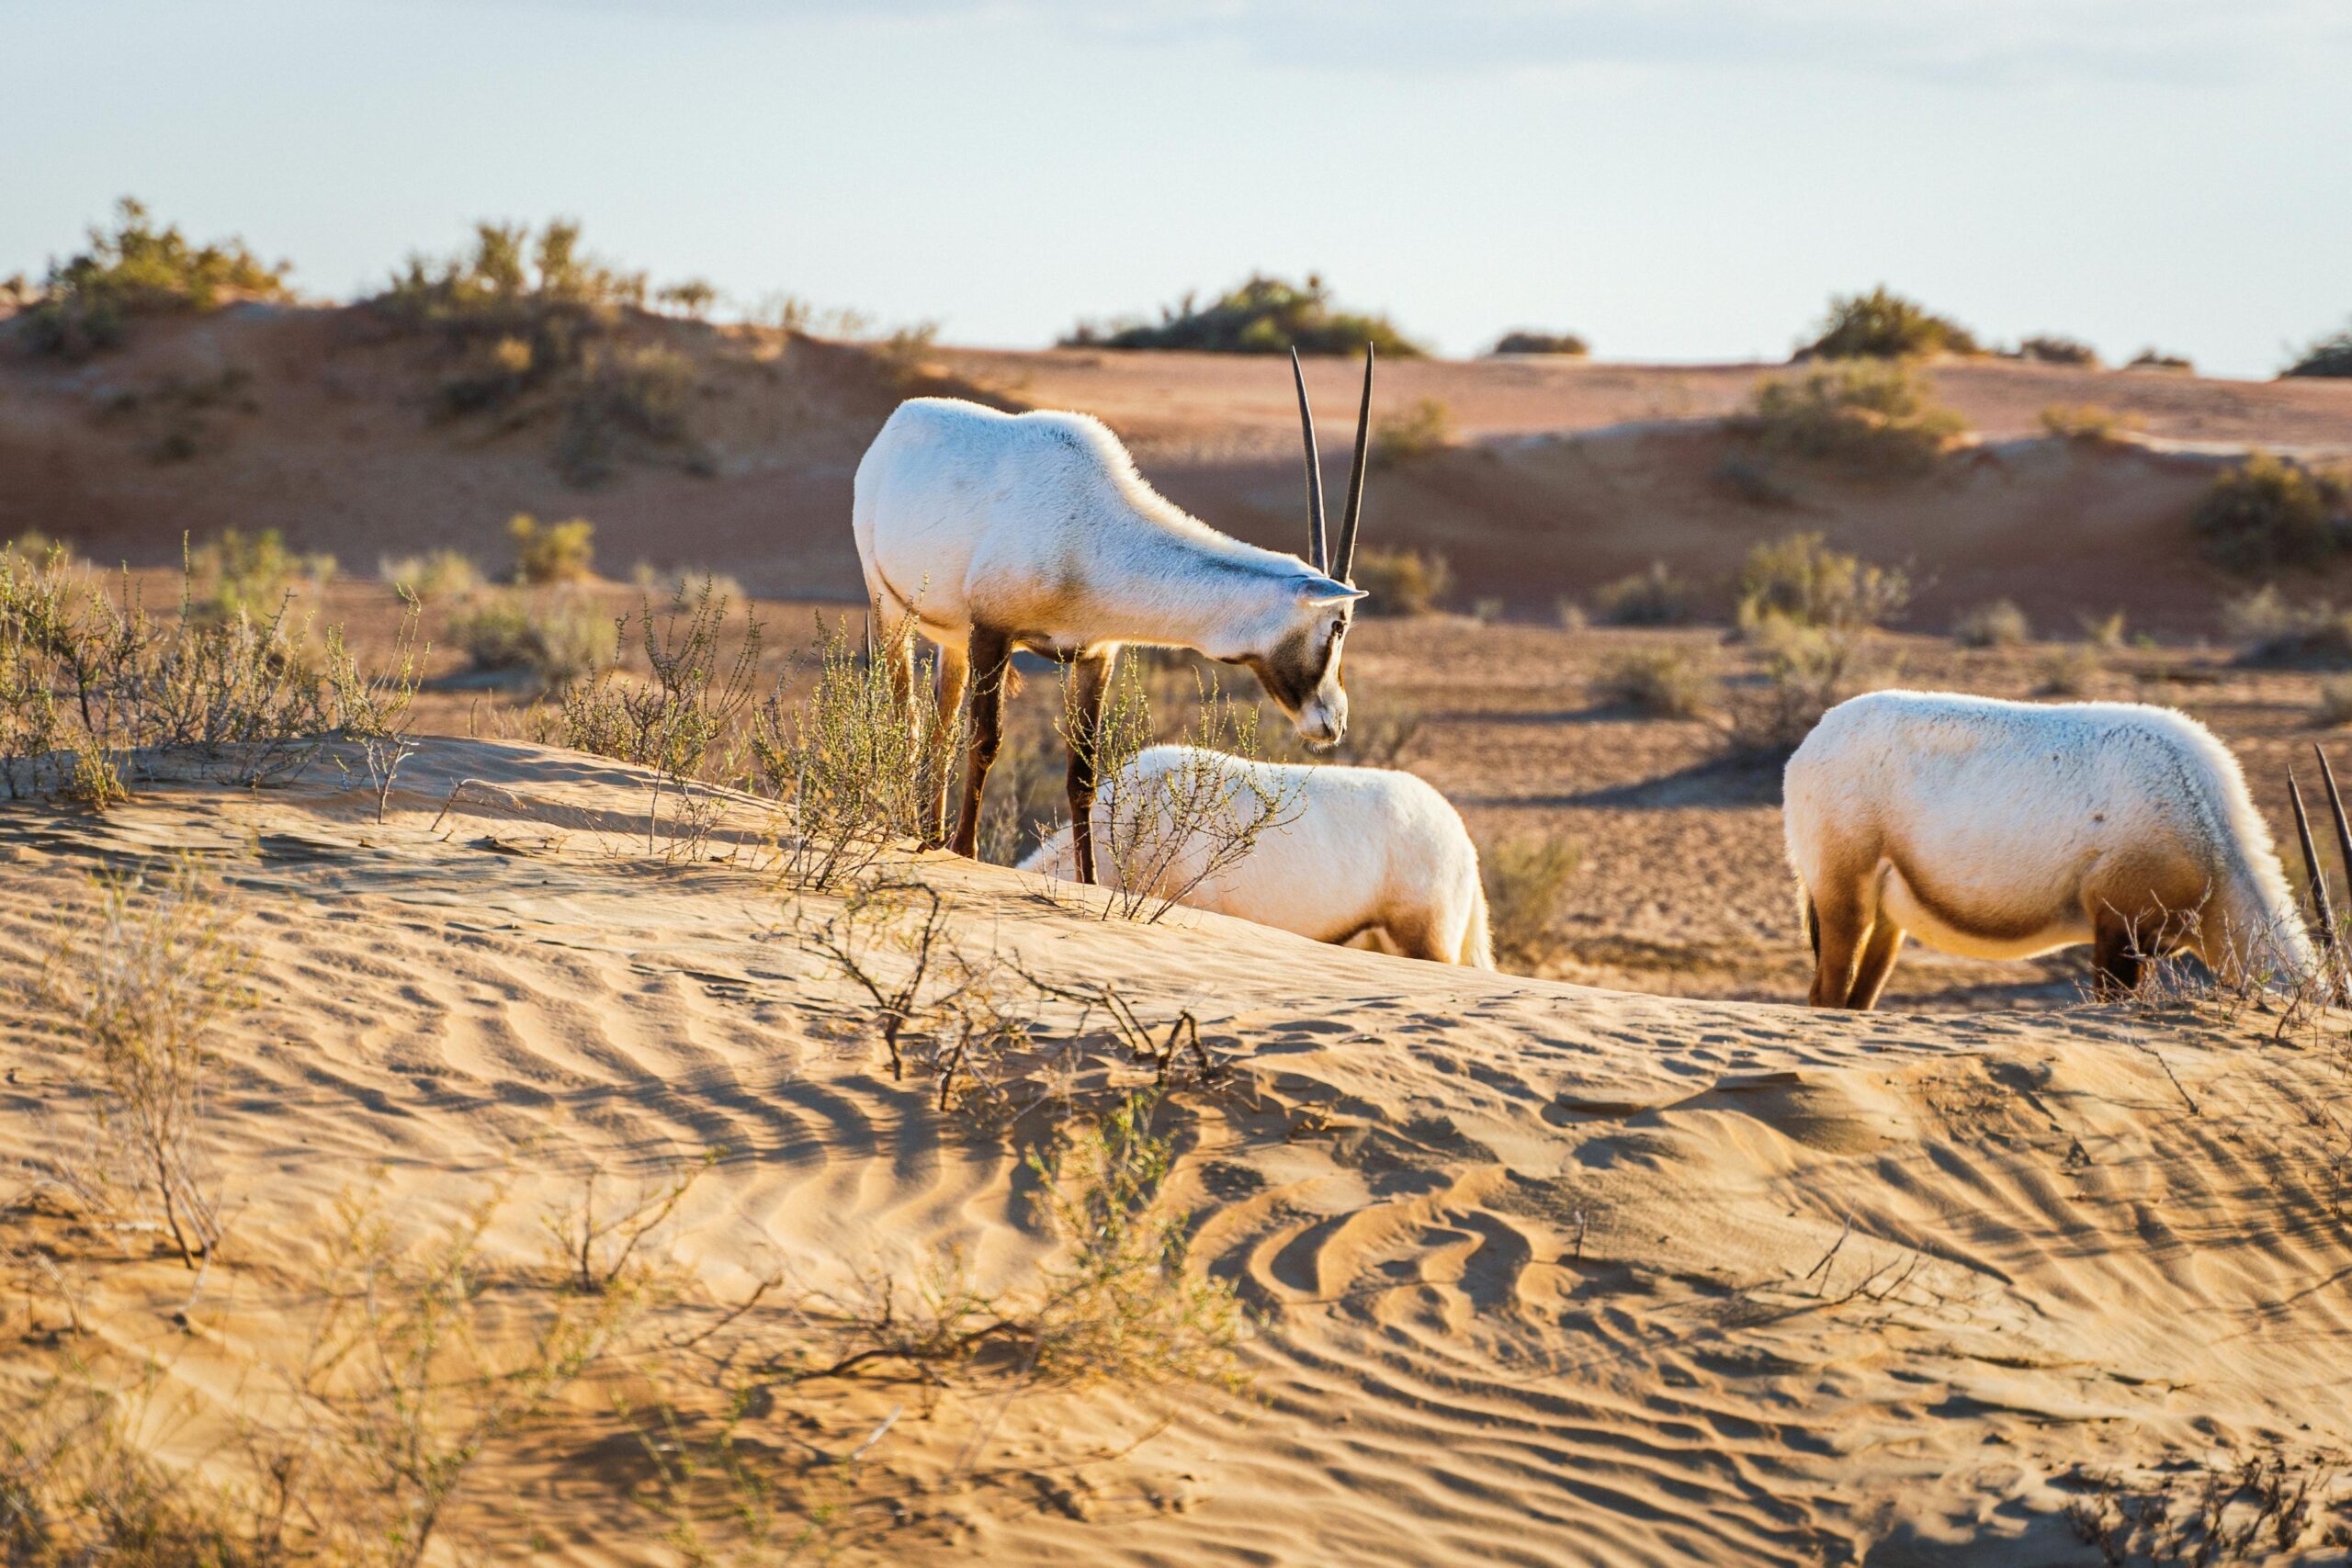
[(989, 653), (1844, 910), (939, 747), (1877, 962), (2116, 953), (1090, 678)]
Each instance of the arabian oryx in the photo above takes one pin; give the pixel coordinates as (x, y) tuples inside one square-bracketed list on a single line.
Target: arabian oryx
[(1344, 852), (987, 531), (2003, 830)]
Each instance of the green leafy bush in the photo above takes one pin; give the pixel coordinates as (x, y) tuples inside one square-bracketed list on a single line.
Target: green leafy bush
[(552, 552), (1883, 324), (1869, 415), (1263, 315), (139, 269), (1402, 582), (2270, 512)]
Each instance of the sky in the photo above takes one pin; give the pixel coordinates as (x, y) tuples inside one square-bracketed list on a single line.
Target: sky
[(1674, 179)]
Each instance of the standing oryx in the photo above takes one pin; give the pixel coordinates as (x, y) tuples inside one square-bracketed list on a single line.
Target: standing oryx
[(988, 532), (2003, 830)]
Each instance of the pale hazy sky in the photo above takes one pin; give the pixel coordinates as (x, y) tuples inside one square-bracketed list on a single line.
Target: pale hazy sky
[(1677, 179)]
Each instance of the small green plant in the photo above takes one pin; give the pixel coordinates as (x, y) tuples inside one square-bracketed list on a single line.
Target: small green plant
[(1419, 433), (2270, 629), (2270, 512), (1808, 670), (2052, 348), (1526, 878), (138, 269), (1997, 624), (552, 552), (252, 575), (1799, 580), (2070, 672), (1402, 582), (1658, 683), (555, 638), (1530, 342), (1871, 416), (1883, 324), (2329, 356), (433, 577), (2106, 632), (1262, 315), (373, 709), (1657, 597), (2093, 425)]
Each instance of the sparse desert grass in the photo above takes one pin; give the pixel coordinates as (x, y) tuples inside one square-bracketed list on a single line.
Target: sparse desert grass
[(138, 269), (2159, 359), (433, 577), (2269, 512), (552, 552), (137, 987), (1526, 341), (1870, 416), (1807, 670), (2106, 632), (1261, 315), (1402, 582), (2054, 348), (2260, 1508), (1657, 597), (2070, 672), (1883, 324), (1414, 435), (252, 575), (1997, 624), (1526, 878), (1800, 582), (374, 710), (2091, 423), (1658, 683)]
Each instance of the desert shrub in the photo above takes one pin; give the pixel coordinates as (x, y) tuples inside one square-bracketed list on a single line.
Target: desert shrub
[(1263, 315), (2272, 630), (2050, 348), (1525, 880), (2092, 424), (251, 574), (2334, 708), (509, 279), (2269, 512), (1657, 597), (1659, 683), (1800, 580), (1402, 582), (1422, 431), (686, 722), (622, 394), (552, 552), (557, 638), (2102, 632), (140, 987), (1869, 415), (2330, 355), (2157, 359), (439, 574), (2070, 672), (1997, 624), (1528, 342), (141, 270), (690, 297), (1884, 325), (1808, 670)]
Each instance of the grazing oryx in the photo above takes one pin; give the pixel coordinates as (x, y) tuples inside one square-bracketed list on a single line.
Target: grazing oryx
[(1353, 851), (2004, 829), (988, 532)]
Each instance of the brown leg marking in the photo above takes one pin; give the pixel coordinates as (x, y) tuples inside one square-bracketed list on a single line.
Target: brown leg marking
[(1877, 964), (1841, 924), (940, 751), (991, 653), (1417, 939), (2115, 955), (1090, 678)]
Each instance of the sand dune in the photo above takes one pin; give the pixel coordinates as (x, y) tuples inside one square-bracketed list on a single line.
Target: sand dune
[(1544, 1274)]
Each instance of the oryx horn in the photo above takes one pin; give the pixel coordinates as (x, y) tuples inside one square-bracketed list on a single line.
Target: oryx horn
[(2335, 807), (2320, 905), (1355, 479), (1318, 555)]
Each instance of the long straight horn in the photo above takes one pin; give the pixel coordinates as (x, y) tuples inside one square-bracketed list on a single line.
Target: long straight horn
[(2320, 905), (1355, 481), (2335, 805), (1317, 553)]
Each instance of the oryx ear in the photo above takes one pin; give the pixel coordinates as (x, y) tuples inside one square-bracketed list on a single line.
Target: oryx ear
[(1320, 590)]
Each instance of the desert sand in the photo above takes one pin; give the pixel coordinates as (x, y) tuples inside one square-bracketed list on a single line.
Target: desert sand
[(1540, 1273)]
